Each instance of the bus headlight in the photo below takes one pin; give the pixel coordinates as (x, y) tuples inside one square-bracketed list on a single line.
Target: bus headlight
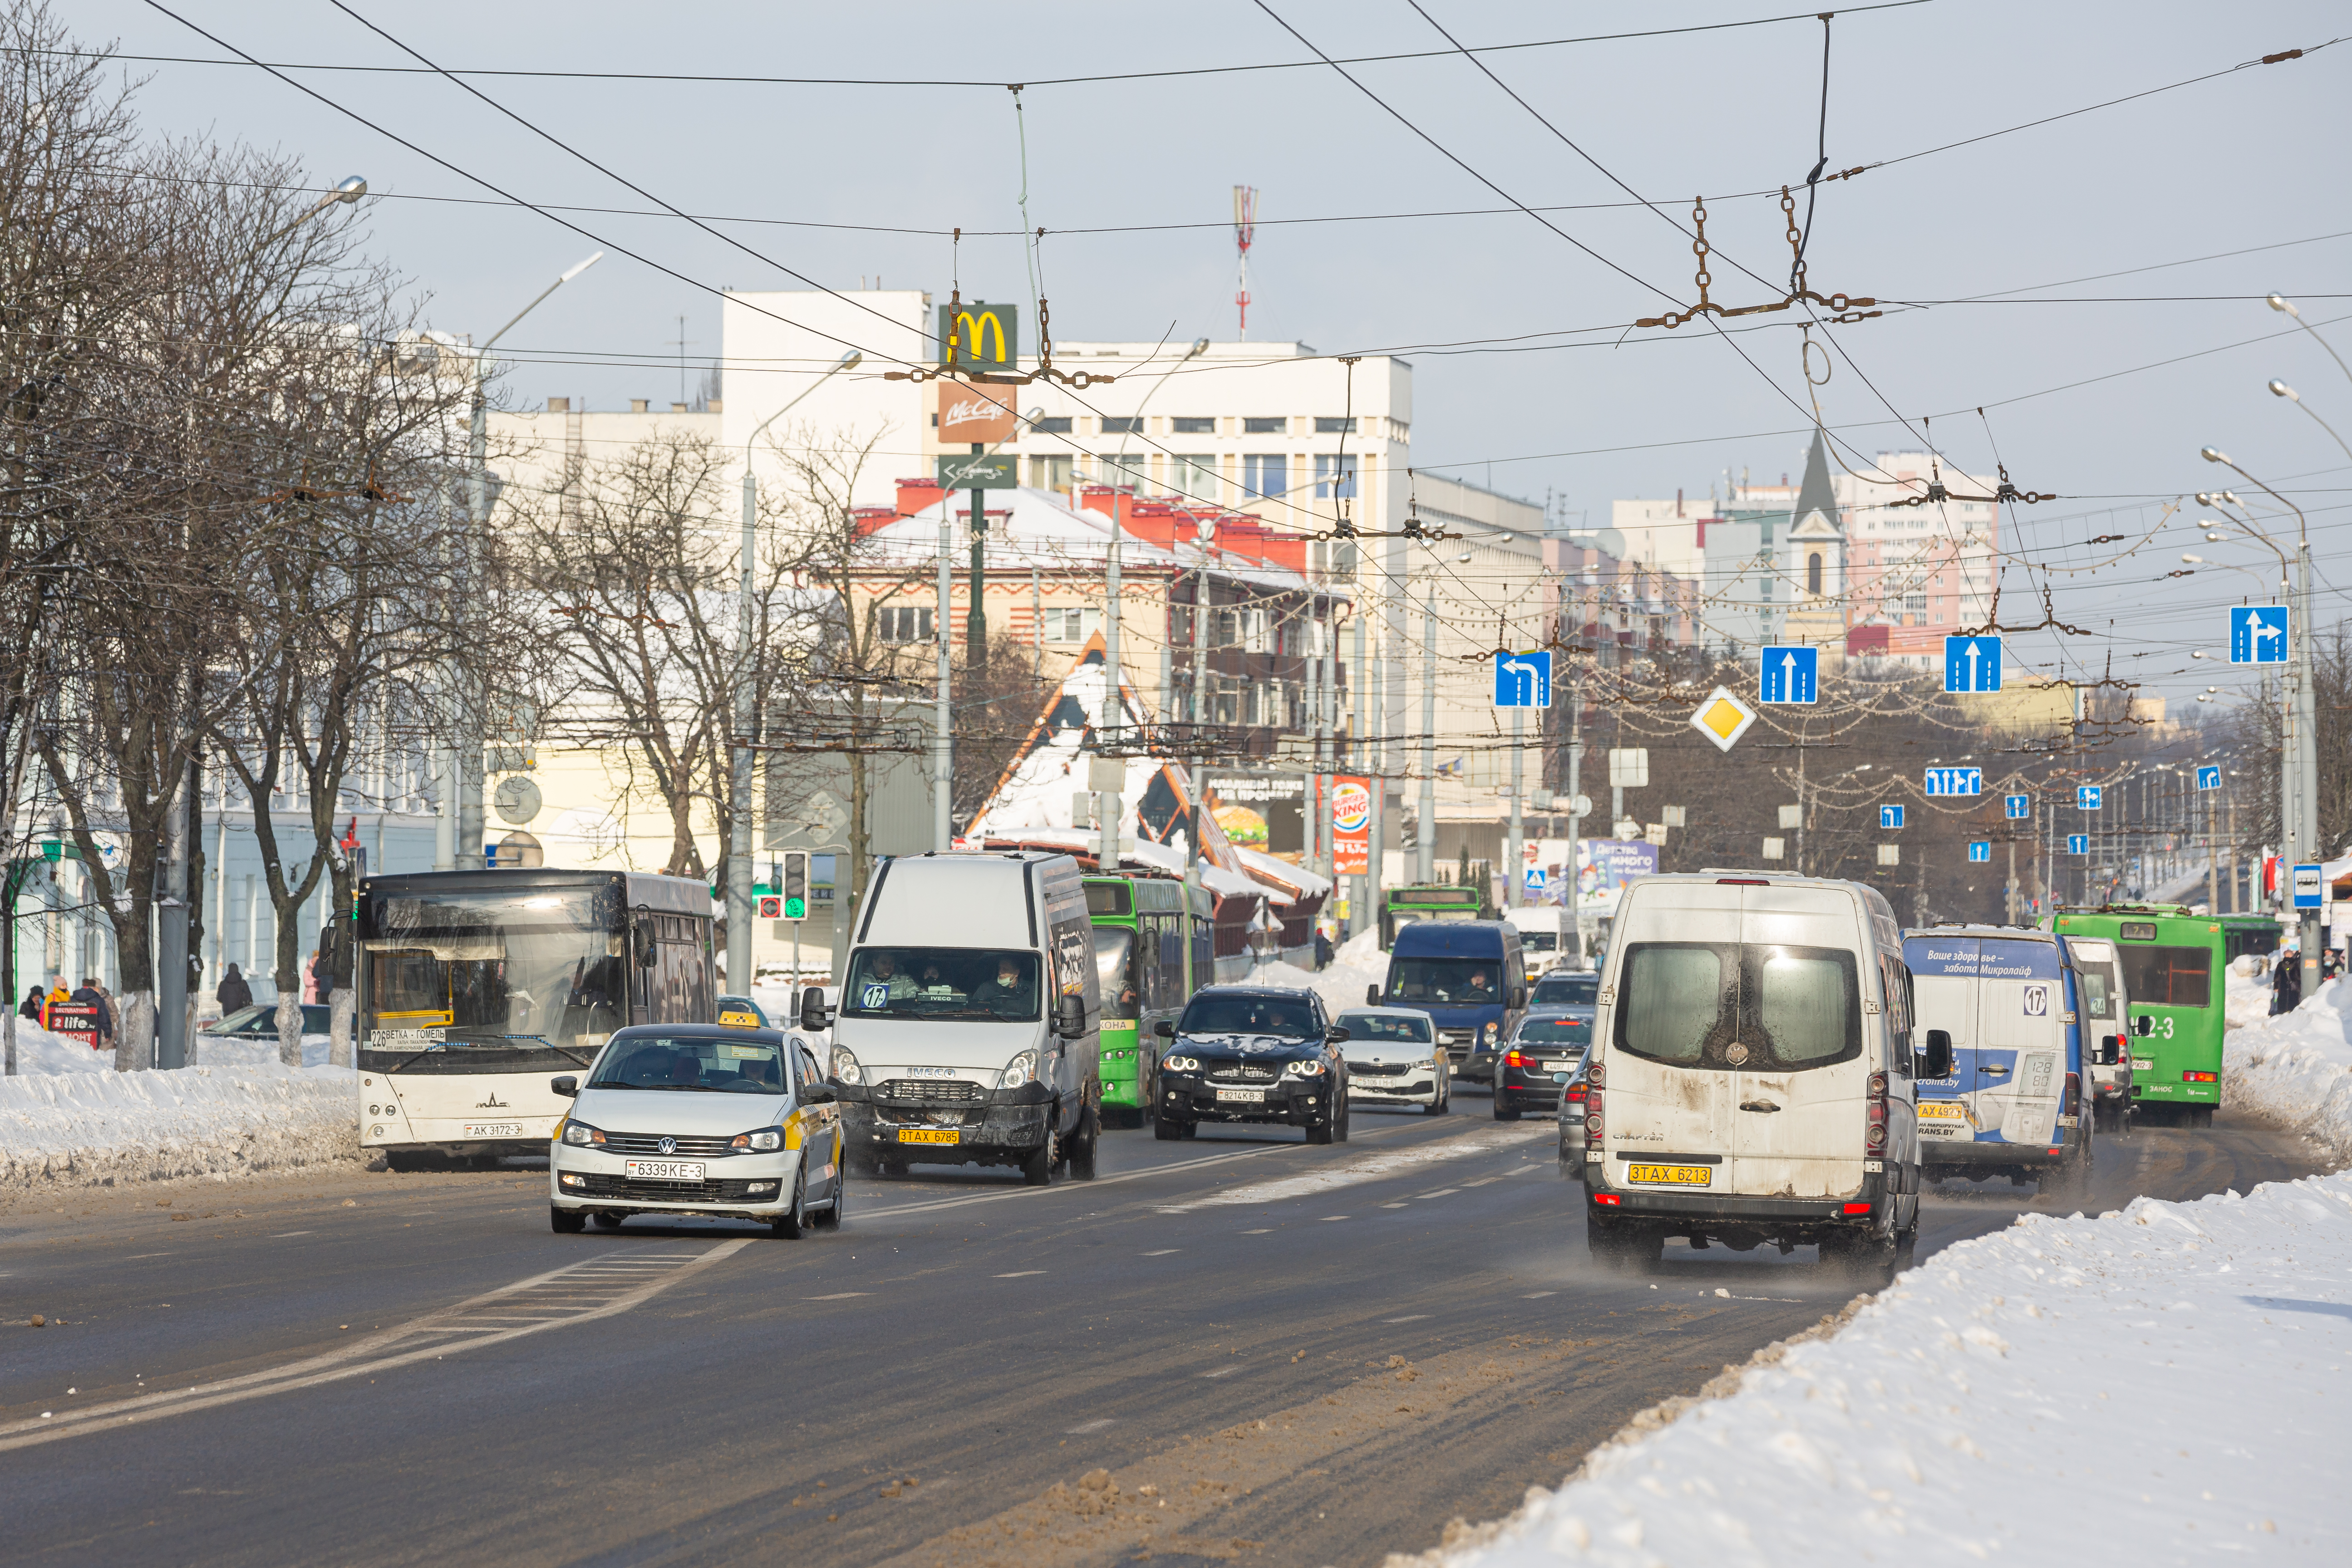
[(845, 1066), (766, 1140), (1021, 1069), (579, 1135)]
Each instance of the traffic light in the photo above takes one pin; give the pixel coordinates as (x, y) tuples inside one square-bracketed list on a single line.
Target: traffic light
[(797, 884)]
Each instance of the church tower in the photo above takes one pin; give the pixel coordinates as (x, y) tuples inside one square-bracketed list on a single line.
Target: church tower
[(1814, 557)]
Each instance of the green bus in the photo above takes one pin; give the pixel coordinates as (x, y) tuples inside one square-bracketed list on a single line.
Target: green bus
[(1154, 946), (2174, 965), (2243, 934), (1430, 902)]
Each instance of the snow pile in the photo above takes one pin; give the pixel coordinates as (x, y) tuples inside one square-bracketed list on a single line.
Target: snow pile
[(2165, 1382), (220, 1051), (2295, 1068), (40, 1051), (95, 1128)]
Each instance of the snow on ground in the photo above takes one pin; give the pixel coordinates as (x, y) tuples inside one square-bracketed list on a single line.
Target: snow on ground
[(2295, 1068), (2168, 1382), (70, 1119)]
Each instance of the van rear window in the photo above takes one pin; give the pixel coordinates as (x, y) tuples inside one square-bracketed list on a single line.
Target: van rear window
[(1746, 1007), (2169, 976)]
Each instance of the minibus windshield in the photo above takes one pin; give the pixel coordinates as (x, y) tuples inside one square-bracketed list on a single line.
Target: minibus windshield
[(941, 983)]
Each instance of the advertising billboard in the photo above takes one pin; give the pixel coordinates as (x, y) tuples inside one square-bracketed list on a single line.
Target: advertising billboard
[(1351, 825)]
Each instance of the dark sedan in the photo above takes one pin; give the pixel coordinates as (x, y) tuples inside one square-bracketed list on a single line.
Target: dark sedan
[(1546, 1048), (1253, 1053)]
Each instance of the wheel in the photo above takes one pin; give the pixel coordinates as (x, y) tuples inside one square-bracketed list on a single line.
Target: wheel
[(2201, 1115), (1861, 1259), (1192, 1129), (1037, 1166), (1436, 1106), (565, 1222), (793, 1222), (1319, 1134), (1339, 1124), (606, 1221), (1503, 1110), (1167, 1129), (1907, 1249), (1082, 1151), (831, 1218)]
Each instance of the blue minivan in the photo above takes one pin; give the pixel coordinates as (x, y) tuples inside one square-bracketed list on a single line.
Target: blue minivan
[(1469, 977)]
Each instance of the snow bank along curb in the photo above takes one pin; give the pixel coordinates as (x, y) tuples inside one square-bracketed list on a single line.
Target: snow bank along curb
[(97, 1129), (2295, 1068), (2169, 1380)]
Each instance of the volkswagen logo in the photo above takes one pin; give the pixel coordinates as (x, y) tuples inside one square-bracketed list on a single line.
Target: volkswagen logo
[(667, 1145)]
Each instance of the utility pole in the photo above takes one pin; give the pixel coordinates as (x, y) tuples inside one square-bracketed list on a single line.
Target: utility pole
[(1426, 858), (942, 737), (2212, 860), (1358, 904), (1200, 696), (975, 616), (1514, 876), (1113, 808), (1575, 818)]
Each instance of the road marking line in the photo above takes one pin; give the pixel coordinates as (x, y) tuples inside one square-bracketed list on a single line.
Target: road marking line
[(1329, 1218), (837, 1295), (137, 1255), (1440, 1192), (1221, 1371), (1021, 1274), (443, 1332), (1163, 1252), (1537, 1295), (1083, 1427), (284, 1234), (1267, 1232), (1480, 1182), (1408, 1317)]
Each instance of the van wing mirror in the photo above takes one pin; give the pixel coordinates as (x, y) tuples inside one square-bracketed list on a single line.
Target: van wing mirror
[(1371, 996), (816, 1016), (2111, 1050), (1519, 997), (1070, 1016), (567, 1085), (1936, 1061), (2144, 1025)]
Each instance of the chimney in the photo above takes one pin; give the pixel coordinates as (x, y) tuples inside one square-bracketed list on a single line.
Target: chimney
[(715, 406), (678, 408), (559, 406), (636, 405), (1678, 501), (914, 495)]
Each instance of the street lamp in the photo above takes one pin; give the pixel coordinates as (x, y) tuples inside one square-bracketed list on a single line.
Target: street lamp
[(2281, 389), (350, 190), (2282, 304), (738, 831)]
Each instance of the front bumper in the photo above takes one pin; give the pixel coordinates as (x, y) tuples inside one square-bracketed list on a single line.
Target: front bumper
[(988, 1126), (1289, 1101), (585, 1181), (1415, 1086)]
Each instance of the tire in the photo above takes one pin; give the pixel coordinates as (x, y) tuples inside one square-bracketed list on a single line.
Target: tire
[(1191, 1129), (563, 1222), (831, 1220), (794, 1223), (1863, 1260), (606, 1221), (1503, 1110), (1339, 1124), (410, 1162), (1319, 1135), (1436, 1106), (2201, 1115), (1167, 1129), (1907, 1252), (1037, 1166), (1082, 1151)]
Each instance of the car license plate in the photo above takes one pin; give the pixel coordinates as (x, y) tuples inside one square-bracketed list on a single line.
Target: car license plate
[(1670, 1175), (493, 1129), (929, 1135), (1560, 1067), (665, 1170), (1246, 1095), (1942, 1111)]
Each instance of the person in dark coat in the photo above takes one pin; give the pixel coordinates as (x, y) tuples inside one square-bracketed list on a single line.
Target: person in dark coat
[(2286, 982), (32, 1007), (1323, 951), (89, 995), (234, 995)]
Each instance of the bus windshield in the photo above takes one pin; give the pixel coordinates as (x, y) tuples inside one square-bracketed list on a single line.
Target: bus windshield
[(1115, 965), (987, 984), (535, 972)]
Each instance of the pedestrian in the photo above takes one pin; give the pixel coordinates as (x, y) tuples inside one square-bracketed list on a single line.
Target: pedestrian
[(89, 995), (58, 997), (31, 1009), (310, 977), (2286, 982), (233, 995), (1323, 949)]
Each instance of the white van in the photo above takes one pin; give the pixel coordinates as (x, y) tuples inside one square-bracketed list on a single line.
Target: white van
[(1751, 1073), (966, 1030)]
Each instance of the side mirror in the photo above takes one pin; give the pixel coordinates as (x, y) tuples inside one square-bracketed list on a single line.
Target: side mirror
[(567, 1085), (2144, 1025), (1519, 997), (1070, 1017), (1165, 1028), (817, 1094), (647, 949), (2111, 1050), (1335, 1036), (1371, 996), (1936, 1061), (816, 1016)]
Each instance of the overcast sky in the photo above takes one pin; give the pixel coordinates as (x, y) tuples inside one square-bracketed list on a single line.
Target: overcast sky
[(2222, 166)]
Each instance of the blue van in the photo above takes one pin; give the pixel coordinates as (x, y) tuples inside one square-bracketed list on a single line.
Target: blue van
[(1469, 977), (2010, 1003)]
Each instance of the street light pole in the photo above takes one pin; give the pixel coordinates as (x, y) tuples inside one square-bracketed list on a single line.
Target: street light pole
[(1425, 822)]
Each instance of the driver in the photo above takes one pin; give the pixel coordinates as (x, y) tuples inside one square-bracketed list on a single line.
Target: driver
[(1008, 991), (1480, 988), (885, 971)]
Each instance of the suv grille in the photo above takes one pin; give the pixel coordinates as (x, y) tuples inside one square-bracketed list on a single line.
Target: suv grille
[(650, 1143), (1242, 1072), (671, 1191), (931, 1091)]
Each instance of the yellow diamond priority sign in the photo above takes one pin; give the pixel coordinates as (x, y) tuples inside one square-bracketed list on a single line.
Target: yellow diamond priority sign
[(1723, 719)]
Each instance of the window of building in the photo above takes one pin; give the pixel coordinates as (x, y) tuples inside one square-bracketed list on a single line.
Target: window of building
[(1122, 424), (1126, 468), (1049, 473), (1267, 425), (1071, 625), (1189, 424), (1059, 424), (1330, 475), (904, 623), (1813, 574), (1225, 628), (1193, 477), (1264, 474), (1326, 426)]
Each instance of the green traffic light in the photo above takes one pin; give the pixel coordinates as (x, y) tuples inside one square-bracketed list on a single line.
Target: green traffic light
[(795, 908)]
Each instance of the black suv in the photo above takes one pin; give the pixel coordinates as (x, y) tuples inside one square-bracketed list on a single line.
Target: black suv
[(1253, 1053)]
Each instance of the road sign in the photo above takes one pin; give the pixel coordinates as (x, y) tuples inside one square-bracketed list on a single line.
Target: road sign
[(1580, 806), (1787, 675), (1627, 829), (1523, 679), (2078, 844), (1890, 854), (1980, 851), (2087, 797), (2258, 634), (1972, 664), (2309, 893), (795, 885), (2209, 778), (1629, 767), (966, 473), (1723, 719), (1890, 816), (771, 907), (1536, 882), (1775, 848), (2017, 806), (1955, 781), (1792, 815)]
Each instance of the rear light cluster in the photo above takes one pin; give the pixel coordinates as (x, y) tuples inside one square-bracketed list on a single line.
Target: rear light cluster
[(1512, 1058), (1592, 1115), (1576, 1095), (2073, 1093), (1874, 1132), (2201, 1078)]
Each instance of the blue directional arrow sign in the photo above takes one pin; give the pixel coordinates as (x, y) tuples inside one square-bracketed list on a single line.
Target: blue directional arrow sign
[(1890, 816), (2258, 634), (1980, 850), (1956, 780), (2087, 797), (2017, 806), (1786, 675), (2209, 778), (2078, 844), (1972, 664), (1523, 679)]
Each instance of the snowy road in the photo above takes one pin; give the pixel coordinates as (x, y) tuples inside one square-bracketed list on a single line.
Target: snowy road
[(1420, 1336)]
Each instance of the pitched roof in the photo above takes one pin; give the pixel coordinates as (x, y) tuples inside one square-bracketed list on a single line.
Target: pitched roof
[(1815, 494)]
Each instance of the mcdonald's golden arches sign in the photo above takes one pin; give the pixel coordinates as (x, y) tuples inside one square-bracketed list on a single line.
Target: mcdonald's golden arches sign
[(978, 337)]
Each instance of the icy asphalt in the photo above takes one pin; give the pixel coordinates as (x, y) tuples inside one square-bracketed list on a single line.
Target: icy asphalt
[(339, 1366)]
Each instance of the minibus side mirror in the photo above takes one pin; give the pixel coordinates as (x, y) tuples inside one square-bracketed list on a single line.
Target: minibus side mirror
[(1070, 1017), (2111, 1050), (1337, 1035), (2144, 1025), (816, 1016), (1936, 1062), (1371, 996), (567, 1085), (1519, 997), (1165, 1028)]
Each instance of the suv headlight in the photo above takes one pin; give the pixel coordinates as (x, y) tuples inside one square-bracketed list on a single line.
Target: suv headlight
[(579, 1134), (845, 1066), (1179, 1064), (766, 1140), (1021, 1069), (1306, 1067)]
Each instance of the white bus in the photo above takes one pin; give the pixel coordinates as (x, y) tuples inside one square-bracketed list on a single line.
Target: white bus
[(477, 987)]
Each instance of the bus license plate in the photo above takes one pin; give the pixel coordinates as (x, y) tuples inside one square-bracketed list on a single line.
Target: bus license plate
[(493, 1129), (929, 1135), (2143, 1063), (1942, 1111), (1246, 1095), (1670, 1175), (665, 1170)]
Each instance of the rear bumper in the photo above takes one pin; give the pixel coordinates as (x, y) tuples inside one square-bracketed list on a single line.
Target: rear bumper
[(1938, 1154), (1538, 1091), (1791, 1218)]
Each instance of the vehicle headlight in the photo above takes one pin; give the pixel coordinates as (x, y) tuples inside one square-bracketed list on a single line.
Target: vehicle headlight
[(766, 1140), (578, 1133), (1179, 1064), (1306, 1066), (845, 1066), (1021, 1069)]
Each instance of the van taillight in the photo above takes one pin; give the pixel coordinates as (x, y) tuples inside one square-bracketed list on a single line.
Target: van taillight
[(1741, 882), (1592, 1113), (1592, 1074), (1873, 1132), (2073, 1091)]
